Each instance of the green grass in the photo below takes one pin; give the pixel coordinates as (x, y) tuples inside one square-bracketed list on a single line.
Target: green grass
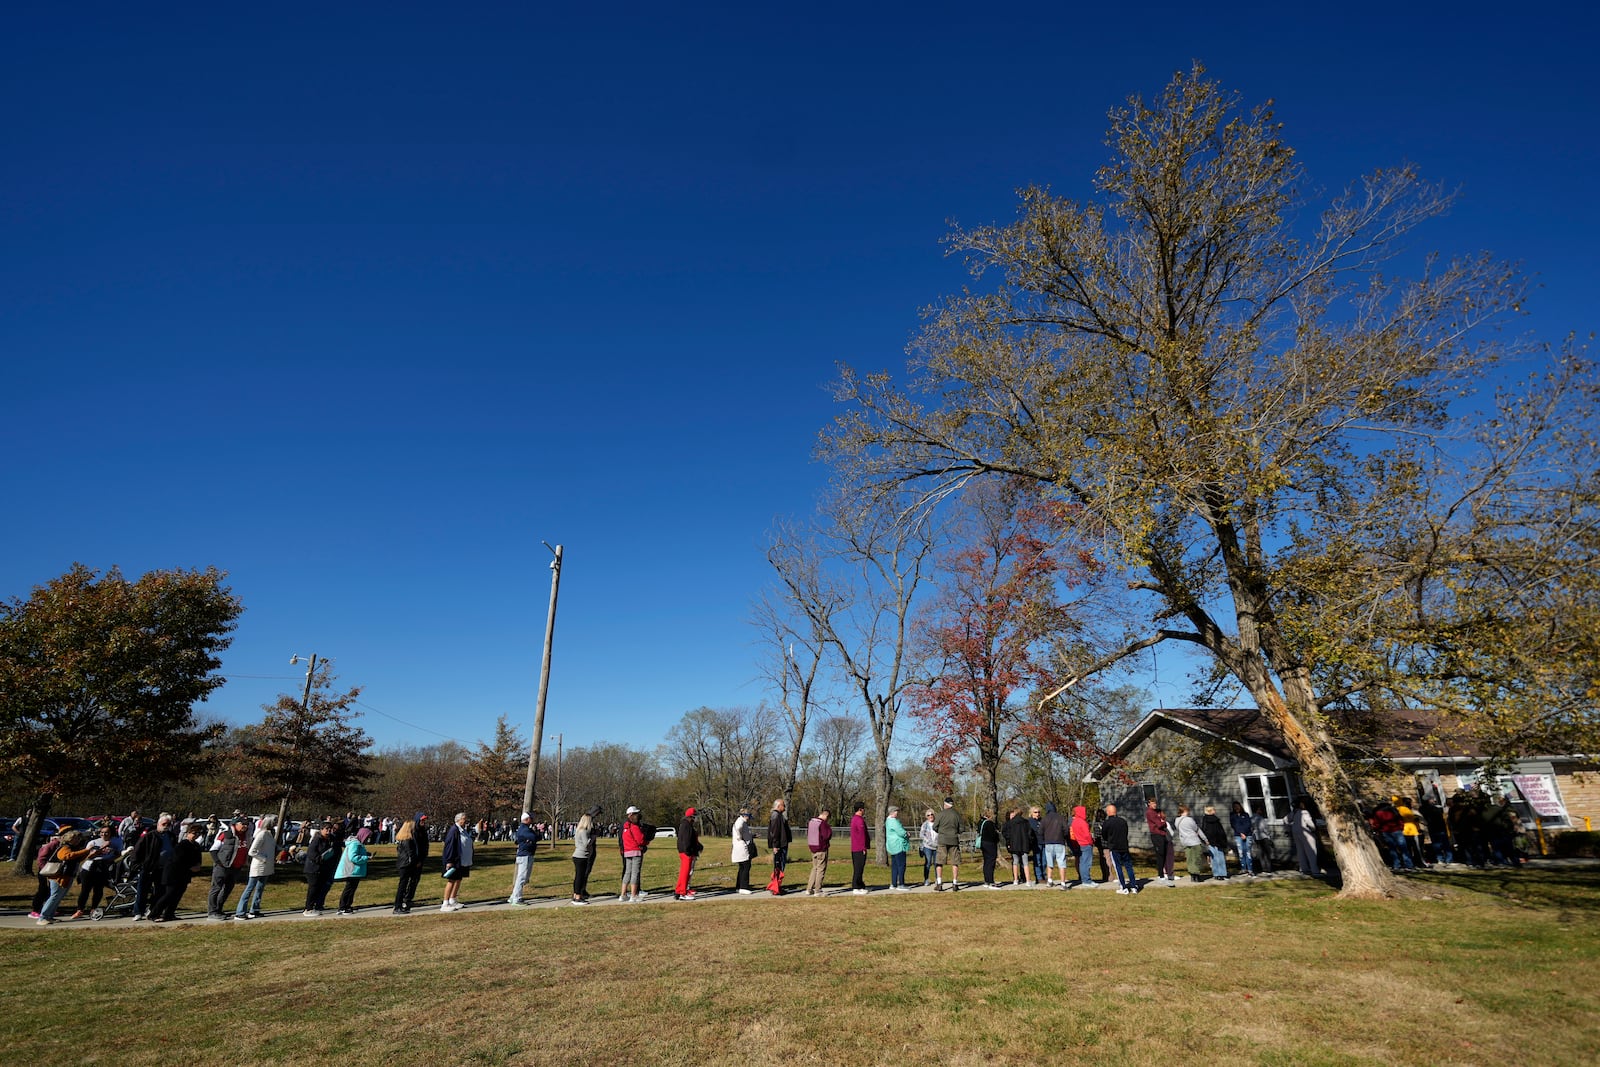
[(1496, 968)]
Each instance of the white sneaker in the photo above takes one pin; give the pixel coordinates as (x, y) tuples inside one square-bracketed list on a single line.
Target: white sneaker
[(1123, 892), (858, 892), (747, 892)]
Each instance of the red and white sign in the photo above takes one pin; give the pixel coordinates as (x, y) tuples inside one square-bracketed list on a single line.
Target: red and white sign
[(1539, 790)]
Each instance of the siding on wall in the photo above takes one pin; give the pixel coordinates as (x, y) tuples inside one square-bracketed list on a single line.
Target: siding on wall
[(1185, 770)]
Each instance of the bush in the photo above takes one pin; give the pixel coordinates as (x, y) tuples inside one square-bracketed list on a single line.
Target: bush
[(1576, 843)]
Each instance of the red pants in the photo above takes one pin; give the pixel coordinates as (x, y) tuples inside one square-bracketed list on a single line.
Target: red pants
[(685, 865)]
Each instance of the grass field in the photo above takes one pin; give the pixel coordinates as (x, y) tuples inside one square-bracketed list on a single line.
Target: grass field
[(1497, 968)]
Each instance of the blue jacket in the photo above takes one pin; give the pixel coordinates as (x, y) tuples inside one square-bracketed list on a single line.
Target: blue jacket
[(527, 839)]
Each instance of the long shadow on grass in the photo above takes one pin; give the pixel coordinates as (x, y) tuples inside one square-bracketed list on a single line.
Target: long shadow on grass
[(1576, 889)]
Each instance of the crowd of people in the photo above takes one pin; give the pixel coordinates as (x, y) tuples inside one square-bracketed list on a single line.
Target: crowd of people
[(1042, 847)]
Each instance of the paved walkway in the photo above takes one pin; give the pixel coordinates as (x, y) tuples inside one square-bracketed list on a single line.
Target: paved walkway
[(20, 919)]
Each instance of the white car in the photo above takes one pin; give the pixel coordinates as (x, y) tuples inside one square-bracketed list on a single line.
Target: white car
[(666, 831)]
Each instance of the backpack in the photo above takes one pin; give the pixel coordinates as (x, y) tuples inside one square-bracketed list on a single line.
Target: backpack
[(814, 832)]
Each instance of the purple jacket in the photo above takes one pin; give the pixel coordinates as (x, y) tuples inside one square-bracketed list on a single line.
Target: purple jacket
[(859, 838)]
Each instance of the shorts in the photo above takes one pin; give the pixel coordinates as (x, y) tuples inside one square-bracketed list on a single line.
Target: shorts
[(461, 873), (1055, 855), (950, 854)]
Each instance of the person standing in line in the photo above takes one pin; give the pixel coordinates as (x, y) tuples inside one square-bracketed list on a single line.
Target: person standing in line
[(1114, 832), (94, 874), (1053, 836), (896, 843), (1261, 841), (633, 845), (947, 831), (1017, 836), (582, 857), (351, 869), (410, 848), (819, 833), (1243, 832), (183, 865), (1438, 833), (778, 838), (860, 840), (988, 841), (263, 853), (527, 839), (1303, 831), (688, 852), (928, 838), (456, 856), (1036, 824), (1411, 830), (1083, 840), (149, 859), (321, 855), (1191, 842), (1155, 821), (1216, 836), (72, 851), (744, 844), (230, 858)]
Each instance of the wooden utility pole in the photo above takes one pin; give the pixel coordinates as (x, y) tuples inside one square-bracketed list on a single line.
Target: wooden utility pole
[(544, 681)]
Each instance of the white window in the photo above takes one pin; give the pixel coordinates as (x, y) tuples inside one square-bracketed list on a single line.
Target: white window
[(1266, 794)]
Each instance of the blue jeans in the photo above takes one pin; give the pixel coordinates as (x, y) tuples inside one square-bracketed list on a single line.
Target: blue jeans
[(520, 879), (897, 869), (1086, 865), (53, 901), (1399, 851), (1124, 864), (252, 894), (1246, 861), (1219, 861)]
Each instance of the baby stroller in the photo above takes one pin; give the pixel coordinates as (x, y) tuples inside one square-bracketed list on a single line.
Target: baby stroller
[(124, 889)]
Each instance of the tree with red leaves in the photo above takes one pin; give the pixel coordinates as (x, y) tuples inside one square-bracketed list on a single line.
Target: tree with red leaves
[(998, 613)]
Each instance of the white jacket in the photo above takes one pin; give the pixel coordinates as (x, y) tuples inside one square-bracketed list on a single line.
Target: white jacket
[(263, 854), (1189, 832), (743, 834)]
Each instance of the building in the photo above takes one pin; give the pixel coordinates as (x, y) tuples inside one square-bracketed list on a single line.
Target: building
[(1200, 756)]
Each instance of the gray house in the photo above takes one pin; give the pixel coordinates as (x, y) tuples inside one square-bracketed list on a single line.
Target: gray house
[(1200, 756)]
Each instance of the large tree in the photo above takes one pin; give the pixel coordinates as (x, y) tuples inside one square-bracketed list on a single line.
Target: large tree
[(497, 772), (307, 748), (992, 632), (99, 677), (1275, 437)]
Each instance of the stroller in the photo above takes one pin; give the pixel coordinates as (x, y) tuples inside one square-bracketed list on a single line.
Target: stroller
[(123, 889)]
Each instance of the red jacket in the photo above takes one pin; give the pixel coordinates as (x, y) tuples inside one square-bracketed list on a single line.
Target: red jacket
[(1081, 834)]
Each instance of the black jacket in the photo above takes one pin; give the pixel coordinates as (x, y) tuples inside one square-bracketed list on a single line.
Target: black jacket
[(778, 832), (1019, 836), (1212, 830), (688, 837), (1114, 833), (322, 852)]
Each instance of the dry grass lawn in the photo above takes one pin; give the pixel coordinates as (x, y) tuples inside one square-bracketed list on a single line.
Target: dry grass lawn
[(1499, 969)]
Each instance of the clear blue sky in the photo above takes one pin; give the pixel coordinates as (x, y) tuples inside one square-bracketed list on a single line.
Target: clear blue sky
[(362, 305)]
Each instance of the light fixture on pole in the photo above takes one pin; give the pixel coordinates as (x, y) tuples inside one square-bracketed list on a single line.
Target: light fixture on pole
[(305, 710)]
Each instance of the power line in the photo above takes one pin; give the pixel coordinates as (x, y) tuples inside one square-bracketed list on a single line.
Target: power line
[(412, 725)]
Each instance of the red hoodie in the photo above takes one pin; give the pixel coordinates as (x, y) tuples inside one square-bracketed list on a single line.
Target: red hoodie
[(1080, 827)]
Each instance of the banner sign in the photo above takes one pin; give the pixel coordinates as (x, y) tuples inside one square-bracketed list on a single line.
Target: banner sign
[(1539, 790)]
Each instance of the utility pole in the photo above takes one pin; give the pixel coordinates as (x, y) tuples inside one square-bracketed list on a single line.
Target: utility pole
[(305, 709), (544, 681)]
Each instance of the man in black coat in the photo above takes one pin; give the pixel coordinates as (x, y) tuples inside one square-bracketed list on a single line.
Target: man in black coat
[(778, 838), (183, 865), (322, 858), (1114, 834)]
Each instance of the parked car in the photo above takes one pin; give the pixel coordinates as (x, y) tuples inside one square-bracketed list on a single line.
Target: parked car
[(666, 831)]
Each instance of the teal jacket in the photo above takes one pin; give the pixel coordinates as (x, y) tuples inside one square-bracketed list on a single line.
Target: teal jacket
[(353, 863), (894, 837)]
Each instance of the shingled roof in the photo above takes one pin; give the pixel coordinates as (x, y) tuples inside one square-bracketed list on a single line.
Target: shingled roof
[(1397, 736)]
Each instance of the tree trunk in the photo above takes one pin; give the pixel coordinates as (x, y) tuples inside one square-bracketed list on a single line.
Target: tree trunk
[(885, 782), (1361, 868), (30, 834)]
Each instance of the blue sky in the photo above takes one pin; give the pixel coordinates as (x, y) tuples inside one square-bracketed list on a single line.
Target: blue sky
[(361, 306)]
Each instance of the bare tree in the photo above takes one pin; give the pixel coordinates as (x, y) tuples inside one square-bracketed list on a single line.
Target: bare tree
[(794, 619), (726, 758)]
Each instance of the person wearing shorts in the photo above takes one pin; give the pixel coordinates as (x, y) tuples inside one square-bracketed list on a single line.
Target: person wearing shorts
[(457, 859), (947, 831)]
